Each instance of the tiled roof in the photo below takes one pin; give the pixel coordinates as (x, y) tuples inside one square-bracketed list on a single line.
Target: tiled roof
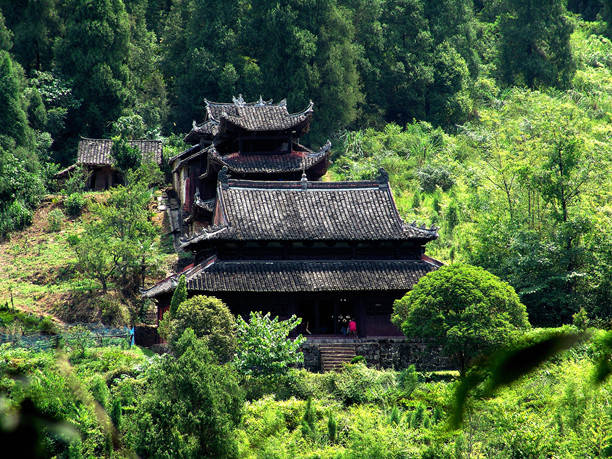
[(268, 210), (185, 159), (299, 276), (97, 152), (260, 116), (205, 204), (271, 163), (215, 110), (184, 154), (207, 130)]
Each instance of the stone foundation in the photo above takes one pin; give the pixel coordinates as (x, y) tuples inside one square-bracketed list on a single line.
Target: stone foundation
[(384, 352)]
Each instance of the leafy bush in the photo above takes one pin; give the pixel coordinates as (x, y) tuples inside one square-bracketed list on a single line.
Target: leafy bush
[(465, 309), (211, 320), (431, 177), (360, 384), (407, 380), (126, 157), (77, 180), (179, 296), (54, 220), (100, 391), (264, 347), (74, 204), (15, 217), (193, 395), (47, 326)]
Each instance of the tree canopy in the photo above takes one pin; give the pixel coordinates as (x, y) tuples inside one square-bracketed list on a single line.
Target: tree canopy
[(463, 308)]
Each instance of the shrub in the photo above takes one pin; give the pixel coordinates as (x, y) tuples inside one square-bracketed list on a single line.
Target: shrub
[(192, 407), (77, 180), (54, 220), (179, 295), (360, 384), (47, 326), (332, 428), (465, 309), (211, 320), (15, 217), (431, 177), (264, 347), (74, 204), (126, 157), (100, 391), (407, 380)]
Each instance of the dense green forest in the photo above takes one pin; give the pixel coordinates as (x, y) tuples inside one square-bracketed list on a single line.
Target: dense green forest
[(494, 122)]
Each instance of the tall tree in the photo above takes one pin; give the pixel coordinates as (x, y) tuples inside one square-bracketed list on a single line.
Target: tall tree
[(36, 24), (534, 44), (317, 61), (6, 36), (147, 81), (93, 54), (200, 56), (13, 118)]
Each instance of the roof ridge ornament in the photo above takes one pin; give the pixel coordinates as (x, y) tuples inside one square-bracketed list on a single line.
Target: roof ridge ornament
[(238, 101), (383, 179), (223, 177)]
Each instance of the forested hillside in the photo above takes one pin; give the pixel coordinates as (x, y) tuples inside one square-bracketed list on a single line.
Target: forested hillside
[(492, 118)]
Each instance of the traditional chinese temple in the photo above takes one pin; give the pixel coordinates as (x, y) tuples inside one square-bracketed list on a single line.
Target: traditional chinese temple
[(267, 235)]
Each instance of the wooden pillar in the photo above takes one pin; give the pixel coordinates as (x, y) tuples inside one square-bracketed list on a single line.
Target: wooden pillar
[(336, 312), (317, 324), (362, 323)]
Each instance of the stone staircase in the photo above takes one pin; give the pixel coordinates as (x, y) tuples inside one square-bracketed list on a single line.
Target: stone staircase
[(334, 355)]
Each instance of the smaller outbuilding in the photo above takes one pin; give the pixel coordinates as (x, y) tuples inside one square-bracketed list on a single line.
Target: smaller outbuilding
[(96, 156)]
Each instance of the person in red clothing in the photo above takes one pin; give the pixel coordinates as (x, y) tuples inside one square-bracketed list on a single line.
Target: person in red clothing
[(352, 326)]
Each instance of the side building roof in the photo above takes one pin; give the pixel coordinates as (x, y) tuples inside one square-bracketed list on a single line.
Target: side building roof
[(98, 152), (324, 211)]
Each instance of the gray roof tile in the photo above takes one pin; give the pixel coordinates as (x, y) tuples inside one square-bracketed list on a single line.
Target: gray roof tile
[(298, 276), (97, 152)]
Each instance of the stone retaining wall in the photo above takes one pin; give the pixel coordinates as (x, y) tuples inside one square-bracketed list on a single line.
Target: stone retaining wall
[(397, 353)]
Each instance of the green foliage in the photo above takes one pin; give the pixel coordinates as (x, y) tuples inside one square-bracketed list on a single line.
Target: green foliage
[(179, 296), (74, 204), (432, 177), (100, 391), (119, 244), (332, 428), (264, 347), (116, 413), (126, 157), (581, 320), (407, 380), (211, 321), (463, 308), (95, 59), (77, 180), (534, 44), (192, 406), (14, 122), (308, 420), (359, 384), (6, 36)]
